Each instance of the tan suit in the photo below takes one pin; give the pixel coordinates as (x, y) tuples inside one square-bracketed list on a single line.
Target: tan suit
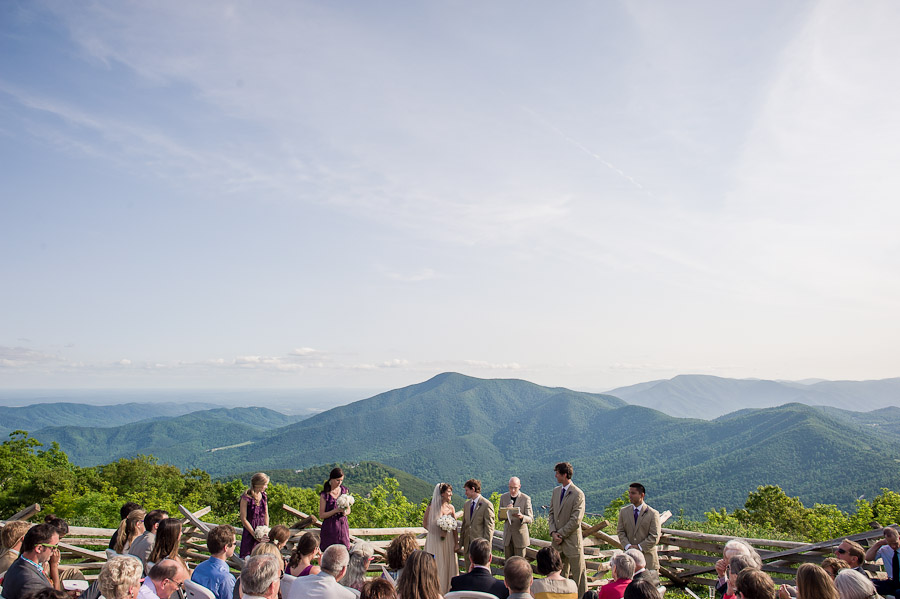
[(644, 533), (565, 519), (479, 525), (515, 531)]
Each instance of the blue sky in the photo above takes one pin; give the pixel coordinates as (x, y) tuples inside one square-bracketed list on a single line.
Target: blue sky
[(294, 194)]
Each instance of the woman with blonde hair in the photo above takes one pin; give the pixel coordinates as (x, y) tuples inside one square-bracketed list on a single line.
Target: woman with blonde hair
[(254, 511), (120, 577), (813, 582), (419, 579), (132, 527), (260, 549)]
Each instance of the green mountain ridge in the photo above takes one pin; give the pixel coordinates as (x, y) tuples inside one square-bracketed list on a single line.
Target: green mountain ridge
[(453, 427)]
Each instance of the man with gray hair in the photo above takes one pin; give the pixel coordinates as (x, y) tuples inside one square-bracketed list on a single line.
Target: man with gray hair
[(324, 585), (640, 567), (261, 577), (164, 578)]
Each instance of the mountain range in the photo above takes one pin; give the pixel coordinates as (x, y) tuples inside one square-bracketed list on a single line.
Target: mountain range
[(454, 427), (702, 396)]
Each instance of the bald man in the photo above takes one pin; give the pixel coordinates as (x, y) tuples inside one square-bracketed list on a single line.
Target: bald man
[(515, 531)]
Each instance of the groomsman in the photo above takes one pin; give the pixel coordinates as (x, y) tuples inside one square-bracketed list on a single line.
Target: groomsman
[(515, 532), (639, 526), (478, 518), (566, 514)]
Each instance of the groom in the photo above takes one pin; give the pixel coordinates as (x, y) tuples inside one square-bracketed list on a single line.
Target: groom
[(478, 519)]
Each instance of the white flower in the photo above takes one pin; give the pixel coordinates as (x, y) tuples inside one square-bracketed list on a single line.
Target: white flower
[(345, 501), (261, 531), (447, 523)]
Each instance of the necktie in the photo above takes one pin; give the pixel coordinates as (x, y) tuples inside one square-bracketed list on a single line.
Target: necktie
[(562, 495), (895, 567), (472, 509), (637, 512)]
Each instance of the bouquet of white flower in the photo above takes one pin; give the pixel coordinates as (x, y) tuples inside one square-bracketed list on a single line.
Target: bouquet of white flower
[(345, 501), (261, 531), (447, 523)]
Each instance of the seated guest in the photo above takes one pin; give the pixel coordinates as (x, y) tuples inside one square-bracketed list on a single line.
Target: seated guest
[(11, 537), (261, 576), (850, 584), (142, 546), (126, 509), (854, 554), (621, 572), (479, 577), (517, 577), (168, 542), (166, 577), (753, 583), (305, 552), (553, 585), (735, 565), (644, 589), (49, 593), (260, 549), (640, 567), (131, 527), (214, 573), (888, 550), (732, 548), (378, 588), (361, 553), (279, 535), (813, 582), (419, 579), (833, 565), (120, 578), (325, 584), (26, 576), (400, 548)]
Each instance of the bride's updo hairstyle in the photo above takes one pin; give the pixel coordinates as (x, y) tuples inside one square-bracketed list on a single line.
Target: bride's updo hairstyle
[(335, 473), (444, 487)]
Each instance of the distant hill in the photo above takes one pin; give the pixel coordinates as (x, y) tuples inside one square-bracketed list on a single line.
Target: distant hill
[(454, 427), (37, 416), (361, 476), (702, 396), (179, 440)]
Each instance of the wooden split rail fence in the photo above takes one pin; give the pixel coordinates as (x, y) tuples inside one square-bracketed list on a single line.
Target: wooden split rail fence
[(686, 557)]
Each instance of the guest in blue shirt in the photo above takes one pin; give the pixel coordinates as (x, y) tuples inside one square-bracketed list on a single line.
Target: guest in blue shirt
[(214, 573)]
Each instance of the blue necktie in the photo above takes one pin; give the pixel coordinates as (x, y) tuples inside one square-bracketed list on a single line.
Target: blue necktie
[(562, 495), (472, 509), (637, 512)]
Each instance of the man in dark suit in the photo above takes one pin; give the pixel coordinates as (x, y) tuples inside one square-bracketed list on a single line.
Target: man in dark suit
[(25, 576), (479, 577)]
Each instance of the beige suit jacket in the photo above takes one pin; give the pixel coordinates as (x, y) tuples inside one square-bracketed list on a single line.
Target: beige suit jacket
[(480, 525), (566, 519), (515, 531), (645, 532)]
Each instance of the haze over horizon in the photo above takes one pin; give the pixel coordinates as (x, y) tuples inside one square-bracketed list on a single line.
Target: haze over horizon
[(296, 195)]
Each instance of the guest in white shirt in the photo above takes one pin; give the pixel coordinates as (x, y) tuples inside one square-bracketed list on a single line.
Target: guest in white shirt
[(165, 578), (324, 585)]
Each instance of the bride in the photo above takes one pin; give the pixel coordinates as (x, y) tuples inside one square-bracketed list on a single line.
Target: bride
[(439, 543)]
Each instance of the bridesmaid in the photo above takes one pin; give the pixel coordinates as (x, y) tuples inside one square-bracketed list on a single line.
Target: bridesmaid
[(254, 511), (335, 527)]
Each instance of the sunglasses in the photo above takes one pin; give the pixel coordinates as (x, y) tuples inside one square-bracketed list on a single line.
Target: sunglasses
[(839, 550), (50, 546)]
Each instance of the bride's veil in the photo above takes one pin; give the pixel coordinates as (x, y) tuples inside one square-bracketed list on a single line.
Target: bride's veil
[(435, 511)]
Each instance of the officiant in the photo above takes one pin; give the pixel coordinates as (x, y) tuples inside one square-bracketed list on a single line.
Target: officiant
[(515, 509)]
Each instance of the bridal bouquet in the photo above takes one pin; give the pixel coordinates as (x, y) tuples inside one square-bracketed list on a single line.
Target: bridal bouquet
[(447, 523), (345, 501), (261, 531)]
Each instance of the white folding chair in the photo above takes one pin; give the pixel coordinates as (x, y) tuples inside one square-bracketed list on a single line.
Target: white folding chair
[(469, 595), (192, 590)]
